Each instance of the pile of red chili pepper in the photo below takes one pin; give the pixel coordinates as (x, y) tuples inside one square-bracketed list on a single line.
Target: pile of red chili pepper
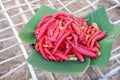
[(63, 37)]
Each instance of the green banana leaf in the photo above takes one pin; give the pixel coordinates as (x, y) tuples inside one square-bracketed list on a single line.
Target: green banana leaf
[(99, 16), (59, 67)]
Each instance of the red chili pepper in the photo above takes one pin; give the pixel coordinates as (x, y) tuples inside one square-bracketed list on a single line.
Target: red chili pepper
[(81, 37), (50, 54), (95, 34), (75, 28), (76, 19), (64, 29), (42, 22), (44, 19), (78, 54), (85, 30), (81, 21), (58, 23), (41, 42), (60, 41), (44, 28), (83, 51), (61, 55), (67, 44), (51, 30), (56, 33), (58, 58), (48, 42), (75, 39), (60, 14), (86, 52), (98, 37), (94, 49), (85, 23), (97, 45), (63, 46), (89, 30), (52, 39), (66, 52)]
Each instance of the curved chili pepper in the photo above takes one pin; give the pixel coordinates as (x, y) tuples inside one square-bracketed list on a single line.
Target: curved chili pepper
[(83, 51), (76, 19), (75, 39), (81, 21), (94, 49), (97, 45), (58, 23), (60, 41), (52, 39), (48, 43), (42, 22), (85, 30), (85, 23), (44, 28), (63, 46), (75, 28), (44, 19), (98, 37), (41, 42), (93, 31), (95, 34), (66, 52), (56, 33), (78, 54), (50, 54), (86, 52), (89, 30), (60, 14), (57, 58), (61, 55), (52, 29), (64, 29), (67, 44)]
